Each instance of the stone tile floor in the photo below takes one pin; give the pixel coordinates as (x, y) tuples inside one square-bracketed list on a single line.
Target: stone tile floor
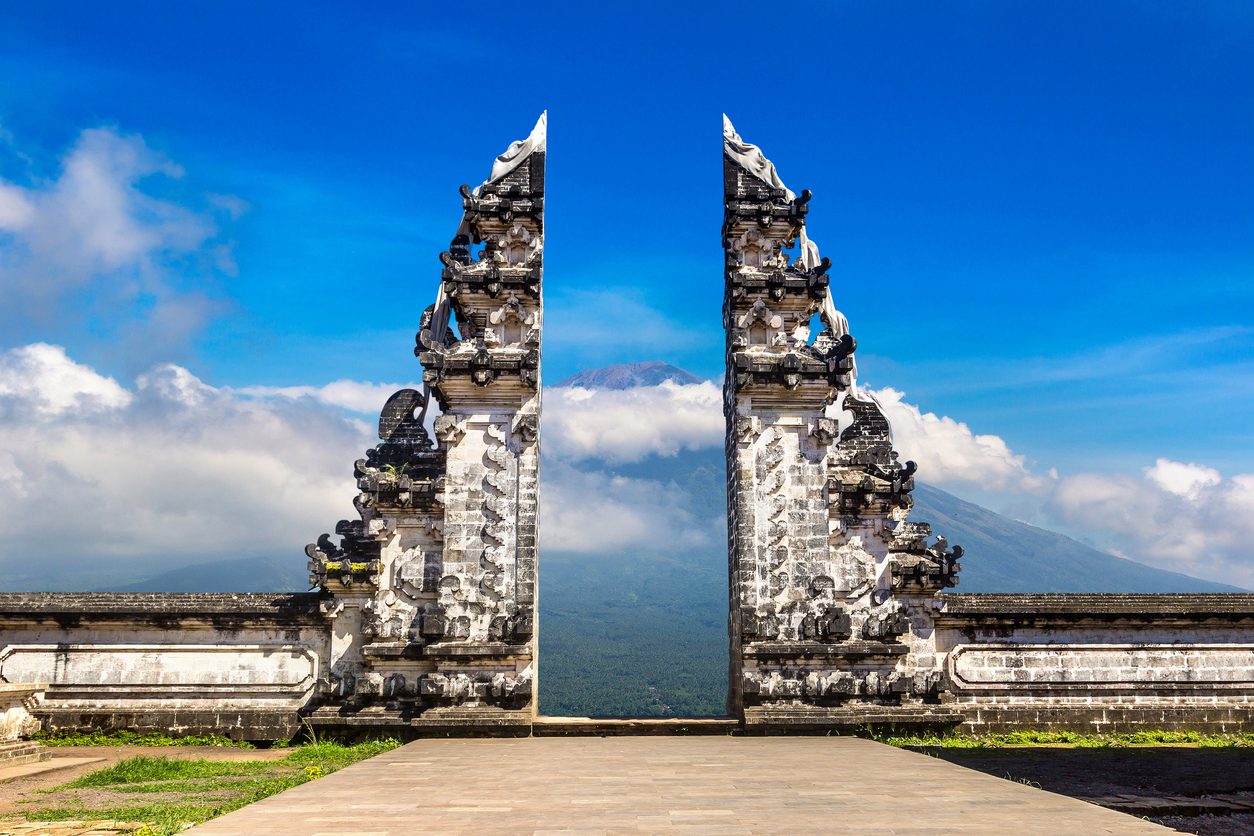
[(691, 785)]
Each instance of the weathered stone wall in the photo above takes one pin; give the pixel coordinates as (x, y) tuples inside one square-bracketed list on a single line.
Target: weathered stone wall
[(1099, 662), (236, 664)]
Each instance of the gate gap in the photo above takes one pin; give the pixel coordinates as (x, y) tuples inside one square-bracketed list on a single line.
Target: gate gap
[(632, 607)]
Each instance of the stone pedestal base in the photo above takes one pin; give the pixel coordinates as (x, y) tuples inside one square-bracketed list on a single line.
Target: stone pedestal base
[(812, 719), (460, 721), (18, 752)]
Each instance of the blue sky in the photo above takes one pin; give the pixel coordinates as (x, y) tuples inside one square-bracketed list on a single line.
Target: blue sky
[(1041, 216), (1065, 188)]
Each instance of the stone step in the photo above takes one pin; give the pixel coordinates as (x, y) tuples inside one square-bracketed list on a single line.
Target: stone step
[(9, 771), (1175, 805), (21, 752), (607, 726)]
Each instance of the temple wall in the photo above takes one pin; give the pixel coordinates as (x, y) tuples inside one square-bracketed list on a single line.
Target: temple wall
[(243, 665), (249, 665), (1099, 663)]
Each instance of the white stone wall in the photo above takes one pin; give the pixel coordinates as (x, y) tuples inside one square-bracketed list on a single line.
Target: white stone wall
[(1100, 673), (480, 570), (232, 673), (129, 668)]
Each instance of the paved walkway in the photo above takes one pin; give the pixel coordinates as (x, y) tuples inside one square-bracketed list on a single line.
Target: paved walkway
[(722, 785)]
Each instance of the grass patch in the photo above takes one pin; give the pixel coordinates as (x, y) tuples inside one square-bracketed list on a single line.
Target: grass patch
[(164, 819), (195, 789), (144, 768), (330, 756), (201, 789), (130, 738), (1067, 738)]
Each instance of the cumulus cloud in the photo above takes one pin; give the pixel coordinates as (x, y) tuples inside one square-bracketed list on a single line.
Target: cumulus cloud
[(165, 471), (588, 432), (598, 512), (42, 379), (1179, 516), (95, 244), (589, 509), (629, 424), (603, 428), (353, 395), (170, 469), (1186, 480), (626, 425), (948, 452)]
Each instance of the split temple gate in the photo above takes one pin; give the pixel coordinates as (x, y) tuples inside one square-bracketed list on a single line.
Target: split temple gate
[(423, 619)]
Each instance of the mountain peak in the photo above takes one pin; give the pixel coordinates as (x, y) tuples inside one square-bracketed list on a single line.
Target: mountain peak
[(630, 375)]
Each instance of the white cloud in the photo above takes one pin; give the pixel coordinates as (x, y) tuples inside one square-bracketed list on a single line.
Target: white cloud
[(15, 210), (94, 242), (1183, 517), (601, 428), (596, 512), (353, 395), (1187, 480), (173, 469), (170, 470), (588, 509), (626, 425), (629, 424), (42, 378), (949, 453)]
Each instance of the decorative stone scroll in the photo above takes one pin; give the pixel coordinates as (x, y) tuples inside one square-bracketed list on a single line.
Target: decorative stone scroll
[(1024, 668), (832, 590), (434, 584)]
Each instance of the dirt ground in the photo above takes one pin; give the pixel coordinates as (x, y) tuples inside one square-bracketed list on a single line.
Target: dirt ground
[(1150, 772), (19, 789)]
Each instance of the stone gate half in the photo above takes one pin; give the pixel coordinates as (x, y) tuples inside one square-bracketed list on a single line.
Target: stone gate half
[(832, 591), (434, 585)]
